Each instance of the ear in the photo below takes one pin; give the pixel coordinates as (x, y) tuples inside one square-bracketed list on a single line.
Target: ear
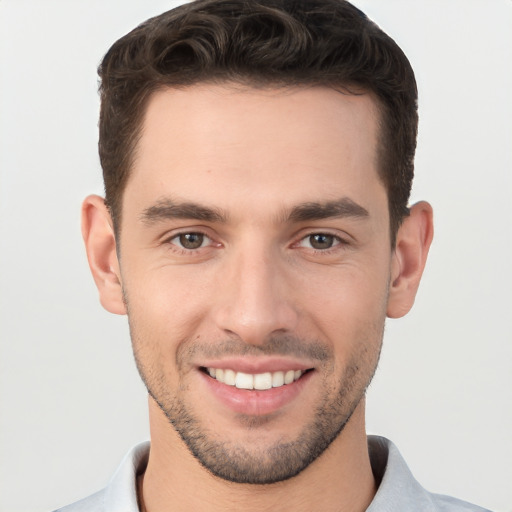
[(100, 244), (412, 244)]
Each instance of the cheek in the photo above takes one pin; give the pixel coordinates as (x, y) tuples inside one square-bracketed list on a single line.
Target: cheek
[(350, 310), (167, 301)]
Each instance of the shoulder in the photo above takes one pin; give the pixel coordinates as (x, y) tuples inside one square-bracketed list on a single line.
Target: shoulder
[(448, 504), (93, 503), (399, 491), (120, 495)]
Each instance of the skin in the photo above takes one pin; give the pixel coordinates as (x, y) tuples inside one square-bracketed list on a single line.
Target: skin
[(259, 290)]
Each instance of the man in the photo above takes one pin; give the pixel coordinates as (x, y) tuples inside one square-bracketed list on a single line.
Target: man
[(258, 159)]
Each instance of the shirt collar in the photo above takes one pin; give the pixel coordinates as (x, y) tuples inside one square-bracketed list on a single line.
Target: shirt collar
[(398, 490), (121, 492)]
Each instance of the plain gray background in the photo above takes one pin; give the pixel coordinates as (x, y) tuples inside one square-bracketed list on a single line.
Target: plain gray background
[(71, 400)]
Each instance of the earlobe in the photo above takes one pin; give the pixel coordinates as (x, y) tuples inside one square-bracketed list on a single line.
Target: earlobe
[(100, 244), (412, 244)]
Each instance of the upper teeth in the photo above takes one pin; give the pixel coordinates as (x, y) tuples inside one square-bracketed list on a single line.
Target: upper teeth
[(254, 381)]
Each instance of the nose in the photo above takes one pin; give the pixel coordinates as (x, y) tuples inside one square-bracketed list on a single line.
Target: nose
[(254, 299)]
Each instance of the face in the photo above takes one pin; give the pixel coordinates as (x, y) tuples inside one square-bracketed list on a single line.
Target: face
[(255, 266)]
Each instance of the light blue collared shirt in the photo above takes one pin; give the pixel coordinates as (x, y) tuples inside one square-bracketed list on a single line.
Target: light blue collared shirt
[(398, 490)]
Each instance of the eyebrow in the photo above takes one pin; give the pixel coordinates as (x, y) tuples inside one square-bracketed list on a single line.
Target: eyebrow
[(344, 207), (167, 209)]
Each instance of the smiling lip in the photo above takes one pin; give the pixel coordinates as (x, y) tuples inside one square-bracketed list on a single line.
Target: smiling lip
[(277, 383)]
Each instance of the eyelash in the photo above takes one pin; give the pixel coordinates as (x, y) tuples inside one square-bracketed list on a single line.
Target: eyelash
[(338, 242), (184, 250)]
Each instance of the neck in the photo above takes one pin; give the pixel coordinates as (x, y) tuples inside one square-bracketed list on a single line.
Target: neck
[(339, 480)]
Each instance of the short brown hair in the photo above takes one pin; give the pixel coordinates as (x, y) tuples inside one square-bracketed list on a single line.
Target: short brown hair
[(261, 43)]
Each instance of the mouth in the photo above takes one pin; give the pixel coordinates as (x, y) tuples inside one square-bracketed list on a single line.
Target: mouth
[(255, 381)]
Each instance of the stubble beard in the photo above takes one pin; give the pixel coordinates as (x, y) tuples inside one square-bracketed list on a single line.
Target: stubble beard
[(284, 459)]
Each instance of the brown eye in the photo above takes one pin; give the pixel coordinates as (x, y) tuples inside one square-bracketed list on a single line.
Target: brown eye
[(322, 241), (191, 240)]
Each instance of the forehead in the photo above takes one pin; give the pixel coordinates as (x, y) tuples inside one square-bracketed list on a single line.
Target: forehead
[(209, 142)]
